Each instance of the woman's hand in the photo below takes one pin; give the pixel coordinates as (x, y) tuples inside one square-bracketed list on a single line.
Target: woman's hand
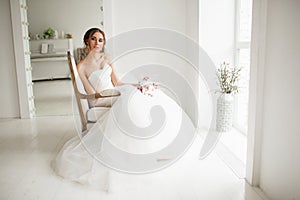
[(136, 85)]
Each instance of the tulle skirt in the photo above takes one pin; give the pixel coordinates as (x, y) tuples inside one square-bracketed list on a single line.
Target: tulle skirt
[(136, 124)]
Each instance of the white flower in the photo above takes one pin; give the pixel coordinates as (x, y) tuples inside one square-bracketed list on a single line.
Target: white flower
[(147, 87)]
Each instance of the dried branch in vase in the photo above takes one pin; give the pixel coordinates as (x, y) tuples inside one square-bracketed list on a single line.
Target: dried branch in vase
[(228, 78)]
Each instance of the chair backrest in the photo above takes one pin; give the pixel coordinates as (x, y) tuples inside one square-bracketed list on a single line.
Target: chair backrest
[(82, 104), (81, 53)]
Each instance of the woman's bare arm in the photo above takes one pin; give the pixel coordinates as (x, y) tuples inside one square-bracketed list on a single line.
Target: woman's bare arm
[(116, 81), (114, 78)]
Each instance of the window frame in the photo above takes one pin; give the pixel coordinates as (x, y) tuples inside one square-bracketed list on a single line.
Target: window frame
[(238, 45)]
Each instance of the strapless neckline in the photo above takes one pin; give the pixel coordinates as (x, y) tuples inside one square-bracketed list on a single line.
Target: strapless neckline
[(97, 70), (100, 79)]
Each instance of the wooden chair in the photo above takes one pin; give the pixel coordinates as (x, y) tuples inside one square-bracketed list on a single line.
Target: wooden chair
[(87, 114)]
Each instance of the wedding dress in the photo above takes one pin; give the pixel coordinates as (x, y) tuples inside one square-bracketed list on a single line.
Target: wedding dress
[(137, 125)]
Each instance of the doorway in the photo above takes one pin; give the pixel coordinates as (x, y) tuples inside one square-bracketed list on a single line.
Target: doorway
[(45, 94), (53, 97)]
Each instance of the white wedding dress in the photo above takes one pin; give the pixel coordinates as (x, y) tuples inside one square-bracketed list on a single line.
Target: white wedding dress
[(138, 134)]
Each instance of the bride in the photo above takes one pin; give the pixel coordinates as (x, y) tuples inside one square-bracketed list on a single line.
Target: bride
[(136, 135)]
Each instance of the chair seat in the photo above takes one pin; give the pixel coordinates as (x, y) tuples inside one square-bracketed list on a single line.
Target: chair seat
[(93, 114)]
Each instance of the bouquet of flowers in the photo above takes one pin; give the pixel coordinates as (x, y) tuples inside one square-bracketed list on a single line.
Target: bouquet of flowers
[(147, 87)]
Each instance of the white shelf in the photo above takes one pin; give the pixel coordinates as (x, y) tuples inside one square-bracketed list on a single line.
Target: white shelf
[(54, 63), (47, 59)]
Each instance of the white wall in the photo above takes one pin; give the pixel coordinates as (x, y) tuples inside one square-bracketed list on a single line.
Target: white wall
[(280, 160), (217, 24), (73, 17), (9, 104), (136, 14), (132, 14)]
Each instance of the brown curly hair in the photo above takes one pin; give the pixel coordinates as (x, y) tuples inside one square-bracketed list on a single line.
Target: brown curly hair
[(88, 34)]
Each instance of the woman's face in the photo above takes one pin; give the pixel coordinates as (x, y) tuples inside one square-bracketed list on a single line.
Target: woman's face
[(96, 42)]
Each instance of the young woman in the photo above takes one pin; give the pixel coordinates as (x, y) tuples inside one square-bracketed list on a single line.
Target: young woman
[(134, 136), (96, 71)]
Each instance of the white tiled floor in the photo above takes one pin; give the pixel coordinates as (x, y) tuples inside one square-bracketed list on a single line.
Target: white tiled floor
[(236, 142), (232, 149), (28, 146)]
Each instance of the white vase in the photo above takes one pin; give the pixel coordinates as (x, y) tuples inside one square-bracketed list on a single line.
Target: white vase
[(224, 112)]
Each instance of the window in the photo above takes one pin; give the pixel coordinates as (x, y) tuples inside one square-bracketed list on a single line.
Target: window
[(242, 59)]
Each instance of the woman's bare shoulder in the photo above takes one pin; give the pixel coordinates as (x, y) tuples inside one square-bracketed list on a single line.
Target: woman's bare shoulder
[(81, 64)]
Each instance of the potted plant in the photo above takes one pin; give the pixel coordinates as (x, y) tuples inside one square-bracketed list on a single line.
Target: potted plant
[(228, 82), (49, 33)]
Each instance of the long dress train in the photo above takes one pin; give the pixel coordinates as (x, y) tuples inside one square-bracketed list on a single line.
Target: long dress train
[(137, 126)]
